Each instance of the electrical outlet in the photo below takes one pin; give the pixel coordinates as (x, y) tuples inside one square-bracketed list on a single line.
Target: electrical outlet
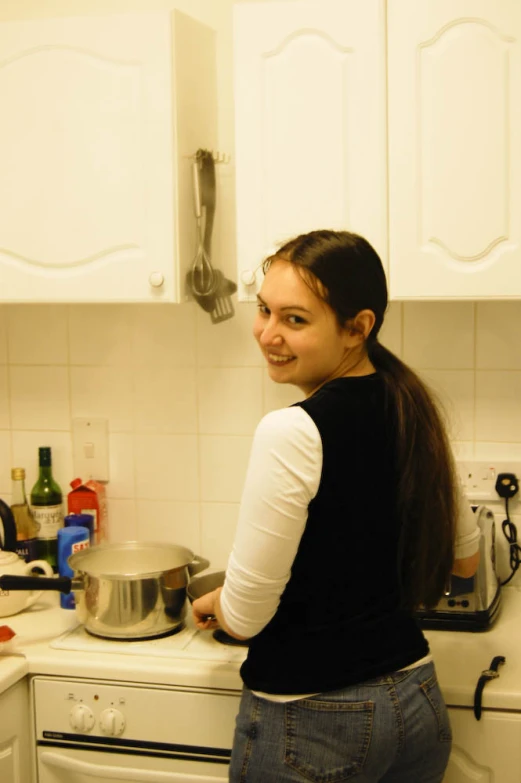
[(478, 479)]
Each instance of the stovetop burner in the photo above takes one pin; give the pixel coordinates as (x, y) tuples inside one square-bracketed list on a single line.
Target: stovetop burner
[(165, 635), (188, 643), (224, 638)]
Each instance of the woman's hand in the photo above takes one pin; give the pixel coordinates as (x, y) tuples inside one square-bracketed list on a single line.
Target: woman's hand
[(203, 610)]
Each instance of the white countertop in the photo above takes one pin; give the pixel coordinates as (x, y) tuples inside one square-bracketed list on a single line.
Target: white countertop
[(460, 657)]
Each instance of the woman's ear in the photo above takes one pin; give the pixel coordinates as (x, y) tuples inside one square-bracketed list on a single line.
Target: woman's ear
[(361, 325)]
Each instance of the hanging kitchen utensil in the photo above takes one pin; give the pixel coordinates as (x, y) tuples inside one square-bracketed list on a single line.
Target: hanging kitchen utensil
[(223, 305), (200, 278), (211, 290), (7, 528)]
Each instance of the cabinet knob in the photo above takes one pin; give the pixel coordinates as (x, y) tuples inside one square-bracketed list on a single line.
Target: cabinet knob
[(156, 279), (248, 277)]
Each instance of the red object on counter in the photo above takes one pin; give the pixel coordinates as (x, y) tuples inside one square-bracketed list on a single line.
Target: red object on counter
[(6, 633), (89, 497)]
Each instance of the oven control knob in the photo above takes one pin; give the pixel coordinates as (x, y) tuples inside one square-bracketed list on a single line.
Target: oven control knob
[(112, 722), (81, 718)]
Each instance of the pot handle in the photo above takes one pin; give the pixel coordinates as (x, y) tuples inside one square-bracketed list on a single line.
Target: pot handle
[(9, 527), (197, 564), (14, 582)]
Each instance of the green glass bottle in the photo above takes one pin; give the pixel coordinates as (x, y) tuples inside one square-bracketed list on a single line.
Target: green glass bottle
[(46, 503)]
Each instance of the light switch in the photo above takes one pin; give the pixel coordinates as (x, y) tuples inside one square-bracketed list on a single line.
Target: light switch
[(90, 449)]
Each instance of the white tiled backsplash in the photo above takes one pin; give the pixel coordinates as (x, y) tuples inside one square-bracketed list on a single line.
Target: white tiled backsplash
[(183, 397)]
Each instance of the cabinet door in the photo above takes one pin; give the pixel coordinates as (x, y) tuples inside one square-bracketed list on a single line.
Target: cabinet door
[(454, 151), (484, 751), (310, 124), (88, 164), (15, 754)]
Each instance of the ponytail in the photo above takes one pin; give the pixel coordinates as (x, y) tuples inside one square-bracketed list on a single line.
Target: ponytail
[(426, 495)]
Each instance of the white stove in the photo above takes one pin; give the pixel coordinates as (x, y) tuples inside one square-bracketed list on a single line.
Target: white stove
[(91, 728)]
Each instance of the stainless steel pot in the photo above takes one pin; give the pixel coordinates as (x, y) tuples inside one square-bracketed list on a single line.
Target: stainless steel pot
[(132, 590)]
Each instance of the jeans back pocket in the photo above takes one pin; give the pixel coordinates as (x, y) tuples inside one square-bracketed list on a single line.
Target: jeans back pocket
[(328, 742)]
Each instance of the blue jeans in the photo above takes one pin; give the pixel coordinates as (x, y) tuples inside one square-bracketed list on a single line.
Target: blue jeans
[(393, 729)]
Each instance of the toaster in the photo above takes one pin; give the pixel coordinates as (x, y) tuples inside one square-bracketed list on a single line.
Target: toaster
[(473, 603)]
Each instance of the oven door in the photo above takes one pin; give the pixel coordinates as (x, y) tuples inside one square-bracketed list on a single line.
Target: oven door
[(66, 765)]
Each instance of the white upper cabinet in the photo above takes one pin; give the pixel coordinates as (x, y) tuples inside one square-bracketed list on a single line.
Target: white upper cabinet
[(310, 124), (454, 76), (399, 120), (99, 118)]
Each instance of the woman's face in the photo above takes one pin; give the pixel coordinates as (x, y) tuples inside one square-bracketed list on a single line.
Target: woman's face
[(299, 334)]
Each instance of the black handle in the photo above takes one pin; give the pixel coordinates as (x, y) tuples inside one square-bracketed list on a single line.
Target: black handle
[(488, 674), (13, 582), (9, 528)]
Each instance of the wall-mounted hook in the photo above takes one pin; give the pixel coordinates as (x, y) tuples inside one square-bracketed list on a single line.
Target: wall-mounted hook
[(217, 157)]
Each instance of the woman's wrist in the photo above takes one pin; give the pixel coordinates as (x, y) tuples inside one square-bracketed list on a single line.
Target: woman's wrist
[(217, 606)]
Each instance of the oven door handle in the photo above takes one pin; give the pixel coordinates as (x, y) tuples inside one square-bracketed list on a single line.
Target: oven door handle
[(122, 773)]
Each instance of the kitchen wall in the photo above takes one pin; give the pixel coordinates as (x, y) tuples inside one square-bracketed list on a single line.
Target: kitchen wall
[(183, 396)]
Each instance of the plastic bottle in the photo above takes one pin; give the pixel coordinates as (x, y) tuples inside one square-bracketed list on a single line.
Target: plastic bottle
[(70, 540), (81, 520), (46, 503), (26, 525)]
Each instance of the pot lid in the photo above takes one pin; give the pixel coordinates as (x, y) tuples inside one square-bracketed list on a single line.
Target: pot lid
[(131, 559)]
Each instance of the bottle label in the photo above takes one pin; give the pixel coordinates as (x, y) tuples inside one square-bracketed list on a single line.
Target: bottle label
[(79, 545), (28, 549), (50, 519)]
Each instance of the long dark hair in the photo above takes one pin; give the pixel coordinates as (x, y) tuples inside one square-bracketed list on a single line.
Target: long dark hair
[(347, 273)]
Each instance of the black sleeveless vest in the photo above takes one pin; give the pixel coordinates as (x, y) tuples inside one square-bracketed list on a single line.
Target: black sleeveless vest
[(339, 621)]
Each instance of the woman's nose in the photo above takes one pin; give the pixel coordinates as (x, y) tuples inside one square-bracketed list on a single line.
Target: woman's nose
[(270, 335)]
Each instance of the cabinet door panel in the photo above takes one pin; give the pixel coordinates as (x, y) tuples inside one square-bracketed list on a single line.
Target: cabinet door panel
[(310, 123), (15, 735), (86, 195), (454, 153), (484, 751)]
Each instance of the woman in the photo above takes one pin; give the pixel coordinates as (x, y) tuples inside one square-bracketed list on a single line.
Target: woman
[(350, 519)]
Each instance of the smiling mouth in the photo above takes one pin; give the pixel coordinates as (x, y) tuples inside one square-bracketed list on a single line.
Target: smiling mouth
[(279, 361)]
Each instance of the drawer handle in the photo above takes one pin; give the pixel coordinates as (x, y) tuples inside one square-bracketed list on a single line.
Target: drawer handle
[(122, 773), (486, 675)]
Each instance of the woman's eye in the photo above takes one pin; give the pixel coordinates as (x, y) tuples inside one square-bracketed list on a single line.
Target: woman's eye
[(296, 320), (263, 309)]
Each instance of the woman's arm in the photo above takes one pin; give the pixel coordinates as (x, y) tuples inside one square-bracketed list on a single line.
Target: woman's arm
[(466, 566), (208, 613), (282, 478), (466, 551)]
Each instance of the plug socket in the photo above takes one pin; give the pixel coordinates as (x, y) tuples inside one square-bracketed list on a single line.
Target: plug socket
[(507, 485)]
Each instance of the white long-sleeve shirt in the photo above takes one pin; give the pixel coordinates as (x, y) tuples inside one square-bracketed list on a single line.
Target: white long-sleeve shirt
[(283, 477)]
